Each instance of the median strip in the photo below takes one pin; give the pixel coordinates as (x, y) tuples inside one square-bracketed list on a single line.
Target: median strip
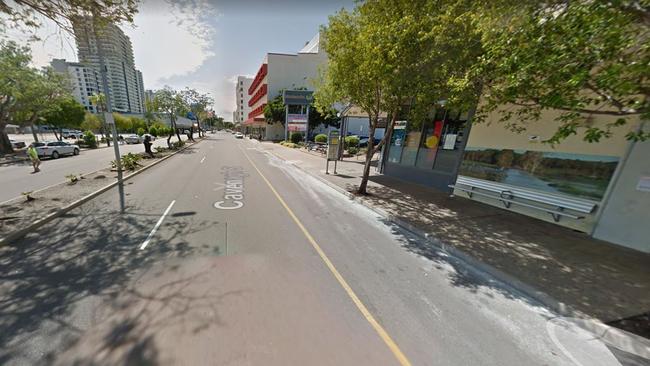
[(16, 218)]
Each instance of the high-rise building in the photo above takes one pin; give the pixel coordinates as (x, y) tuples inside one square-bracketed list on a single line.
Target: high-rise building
[(242, 98), (124, 81), (85, 81)]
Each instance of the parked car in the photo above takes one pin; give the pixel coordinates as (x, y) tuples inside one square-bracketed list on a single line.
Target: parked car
[(133, 139), (17, 144), (72, 134), (239, 135), (151, 137), (54, 149)]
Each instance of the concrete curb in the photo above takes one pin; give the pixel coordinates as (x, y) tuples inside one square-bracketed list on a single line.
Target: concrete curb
[(35, 225), (476, 266)]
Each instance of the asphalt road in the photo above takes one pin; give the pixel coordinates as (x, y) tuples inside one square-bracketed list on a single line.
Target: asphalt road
[(16, 178), (228, 256)]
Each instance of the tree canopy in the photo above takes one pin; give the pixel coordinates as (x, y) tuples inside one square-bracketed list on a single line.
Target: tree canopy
[(583, 58), (23, 13), (66, 113)]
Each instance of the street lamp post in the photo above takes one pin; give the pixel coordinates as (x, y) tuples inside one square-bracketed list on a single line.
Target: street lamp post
[(108, 115)]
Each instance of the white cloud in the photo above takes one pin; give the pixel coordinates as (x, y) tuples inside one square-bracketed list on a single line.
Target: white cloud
[(165, 44)]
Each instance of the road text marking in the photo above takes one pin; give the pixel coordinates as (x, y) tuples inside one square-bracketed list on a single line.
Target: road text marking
[(401, 357), (155, 228), (233, 195), (202, 160)]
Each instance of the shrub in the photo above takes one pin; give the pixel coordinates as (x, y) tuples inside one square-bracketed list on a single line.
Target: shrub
[(160, 149), (295, 137), (141, 131), (178, 144), (129, 161), (321, 137), (353, 150), (352, 141), (153, 131), (90, 140)]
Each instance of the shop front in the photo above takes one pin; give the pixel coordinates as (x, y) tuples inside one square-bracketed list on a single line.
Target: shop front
[(428, 152)]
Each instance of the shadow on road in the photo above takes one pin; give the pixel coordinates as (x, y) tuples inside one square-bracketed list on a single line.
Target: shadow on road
[(597, 278), (58, 275)]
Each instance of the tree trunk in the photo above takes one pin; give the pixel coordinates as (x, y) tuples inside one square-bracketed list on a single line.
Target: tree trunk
[(5, 144), (191, 136), (169, 138), (32, 127), (369, 153), (57, 136)]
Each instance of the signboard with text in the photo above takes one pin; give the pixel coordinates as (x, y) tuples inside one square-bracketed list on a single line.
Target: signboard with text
[(297, 97), (333, 142), (297, 122)]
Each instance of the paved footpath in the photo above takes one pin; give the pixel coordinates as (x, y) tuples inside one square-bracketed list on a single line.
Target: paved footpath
[(227, 255)]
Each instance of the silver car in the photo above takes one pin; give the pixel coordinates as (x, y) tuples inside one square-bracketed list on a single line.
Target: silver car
[(54, 149), (133, 139)]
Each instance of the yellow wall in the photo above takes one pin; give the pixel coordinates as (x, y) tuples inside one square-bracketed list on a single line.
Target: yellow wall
[(494, 134)]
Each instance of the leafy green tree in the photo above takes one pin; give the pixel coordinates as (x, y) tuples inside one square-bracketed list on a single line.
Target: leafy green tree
[(582, 58), (91, 122), (275, 110), (99, 101), (25, 13), (68, 113), (386, 54), (171, 103), (15, 72), (122, 124), (141, 131), (197, 103), (42, 92)]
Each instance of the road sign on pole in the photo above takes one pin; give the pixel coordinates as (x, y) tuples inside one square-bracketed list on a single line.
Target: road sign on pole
[(333, 142)]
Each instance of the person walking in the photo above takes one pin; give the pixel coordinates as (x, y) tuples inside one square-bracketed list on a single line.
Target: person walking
[(33, 156), (147, 145)]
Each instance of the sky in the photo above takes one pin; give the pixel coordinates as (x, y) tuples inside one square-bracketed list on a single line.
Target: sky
[(204, 44)]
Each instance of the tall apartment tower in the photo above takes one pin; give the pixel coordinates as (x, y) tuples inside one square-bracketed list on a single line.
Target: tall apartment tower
[(124, 81), (241, 95), (85, 81)]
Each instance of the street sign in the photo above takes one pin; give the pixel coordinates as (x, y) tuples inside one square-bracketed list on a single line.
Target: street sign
[(297, 97), (297, 122), (333, 142), (108, 117)]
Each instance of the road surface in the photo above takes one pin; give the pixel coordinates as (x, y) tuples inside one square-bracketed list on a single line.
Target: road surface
[(17, 178), (227, 255)]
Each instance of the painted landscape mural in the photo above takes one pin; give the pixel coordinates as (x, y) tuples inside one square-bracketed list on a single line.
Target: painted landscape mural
[(584, 176)]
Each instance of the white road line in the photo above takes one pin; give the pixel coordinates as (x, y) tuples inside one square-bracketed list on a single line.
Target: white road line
[(202, 160), (155, 228)]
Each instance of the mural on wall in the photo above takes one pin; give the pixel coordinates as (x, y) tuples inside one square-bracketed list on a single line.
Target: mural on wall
[(579, 175)]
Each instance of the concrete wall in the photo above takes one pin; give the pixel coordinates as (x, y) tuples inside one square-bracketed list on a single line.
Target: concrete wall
[(293, 71), (625, 218), (492, 134)]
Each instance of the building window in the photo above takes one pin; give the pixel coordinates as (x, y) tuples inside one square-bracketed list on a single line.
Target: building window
[(430, 141)]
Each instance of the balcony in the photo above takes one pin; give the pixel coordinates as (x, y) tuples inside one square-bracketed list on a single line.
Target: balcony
[(257, 111), (261, 73), (258, 95)]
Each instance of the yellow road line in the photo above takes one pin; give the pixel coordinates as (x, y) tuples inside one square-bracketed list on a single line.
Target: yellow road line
[(362, 308)]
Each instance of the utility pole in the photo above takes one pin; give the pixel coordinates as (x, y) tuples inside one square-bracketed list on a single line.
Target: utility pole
[(108, 114)]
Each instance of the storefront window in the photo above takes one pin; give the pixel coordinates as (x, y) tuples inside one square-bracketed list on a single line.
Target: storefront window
[(410, 149), (430, 141), (397, 141)]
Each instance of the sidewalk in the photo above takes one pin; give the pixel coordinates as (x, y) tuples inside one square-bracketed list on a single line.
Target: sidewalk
[(594, 277)]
